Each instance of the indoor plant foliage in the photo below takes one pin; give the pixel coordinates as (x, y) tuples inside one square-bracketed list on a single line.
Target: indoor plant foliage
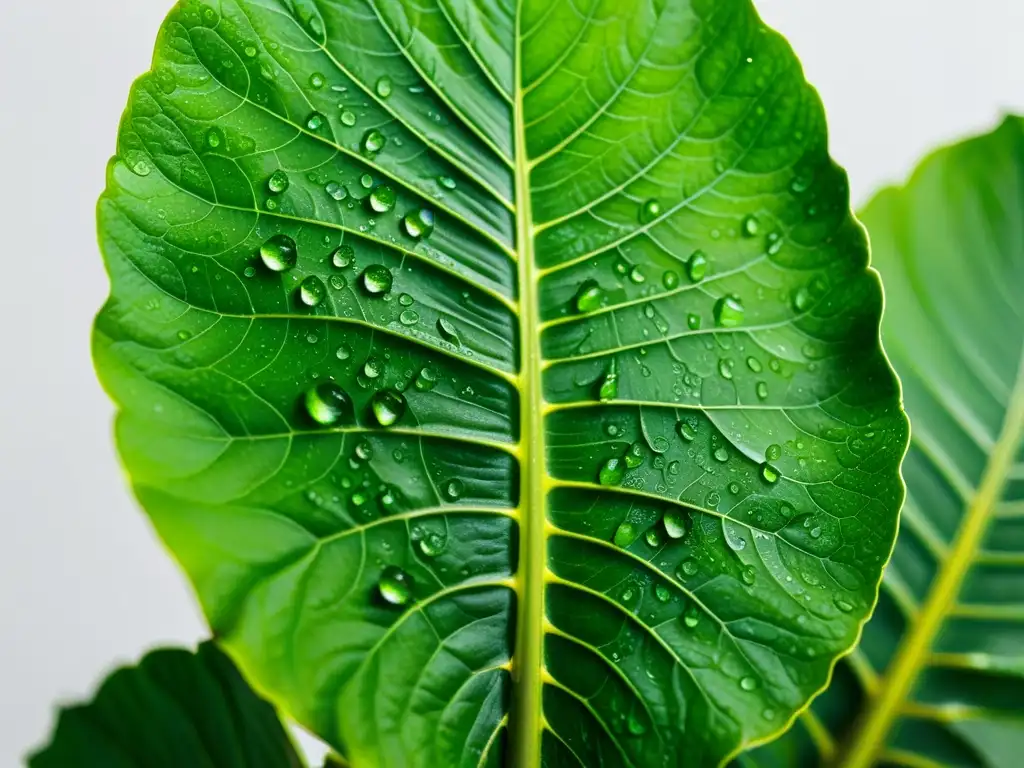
[(507, 380)]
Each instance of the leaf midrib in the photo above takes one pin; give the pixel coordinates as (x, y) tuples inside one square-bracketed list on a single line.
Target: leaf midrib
[(869, 739)]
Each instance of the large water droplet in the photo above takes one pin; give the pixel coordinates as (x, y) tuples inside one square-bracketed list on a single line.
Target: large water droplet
[(448, 331), (670, 280), (773, 452), (278, 182), (373, 367), (692, 617), (433, 544), (612, 472), (388, 406), (729, 312), (654, 538), (317, 81), (626, 534), (426, 380), (409, 317), (589, 296), (382, 199), (348, 118), (762, 390), (675, 524), (689, 567), (373, 141), (312, 291), (748, 683), (377, 280), (343, 256), (395, 585), (769, 473), (279, 253), (750, 226), (315, 121), (454, 489), (419, 223), (662, 593), (383, 86), (635, 455), (697, 266), (328, 404)]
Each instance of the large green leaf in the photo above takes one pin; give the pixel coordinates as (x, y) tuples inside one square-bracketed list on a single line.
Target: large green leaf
[(174, 709), (938, 678), (600, 469)]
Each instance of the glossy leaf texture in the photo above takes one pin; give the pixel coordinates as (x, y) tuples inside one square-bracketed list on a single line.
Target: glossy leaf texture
[(938, 679), (506, 378), (176, 708)]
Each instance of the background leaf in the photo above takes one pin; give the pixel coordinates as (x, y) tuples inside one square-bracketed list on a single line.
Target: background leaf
[(506, 379), (174, 709), (938, 678)]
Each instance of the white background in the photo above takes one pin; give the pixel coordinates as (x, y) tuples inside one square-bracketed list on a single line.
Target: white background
[(84, 585)]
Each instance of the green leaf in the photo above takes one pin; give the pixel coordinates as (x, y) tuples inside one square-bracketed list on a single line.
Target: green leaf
[(938, 677), (176, 708), (506, 379)]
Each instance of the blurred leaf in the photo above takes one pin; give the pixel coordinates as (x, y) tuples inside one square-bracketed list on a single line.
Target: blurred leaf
[(507, 380), (938, 678)]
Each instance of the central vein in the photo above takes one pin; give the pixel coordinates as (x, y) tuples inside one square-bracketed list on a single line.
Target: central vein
[(527, 716)]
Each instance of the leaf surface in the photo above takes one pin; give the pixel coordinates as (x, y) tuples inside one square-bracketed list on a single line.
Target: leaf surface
[(175, 708), (938, 679), (505, 377)]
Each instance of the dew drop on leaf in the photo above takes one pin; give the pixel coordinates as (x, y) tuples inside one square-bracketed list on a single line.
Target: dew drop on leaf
[(612, 472), (383, 86), (343, 256), (589, 297), (768, 473), (675, 524), (748, 683), (419, 223), (214, 138), (377, 280), (366, 181), (729, 312), (692, 617), (426, 380), (409, 317), (635, 726), (382, 199), (750, 226), (662, 593), (446, 181), (348, 118), (454, 489), (395, 585), (388, 406), (448, 331), (649, 211), (373, 367), (725, 368), (635, 456), (317, 81), (686, 431), (842, 604), (749, 575), (697, 266), (625, 534), (433, 544), (364, 450), (609, 389), (373, 141), (279, 253), (670, 280), (315, 121), (721, 454), (312, 291), (344, 352), (693, 322), (328, 404), (653, 537), (636, 275), (689, 568)]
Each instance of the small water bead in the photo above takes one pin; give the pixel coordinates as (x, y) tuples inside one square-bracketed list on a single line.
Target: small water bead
[(336, 191), (773, 452), (649, 211), (589, 297), (338, 282), (634, 725), (373, 367), (676, 524), (312, 291), (689, 567), (344, 352), (348, 118), (762, 390), (271, 204), (446, 181), (686, 431), (382, 199), (663, 593), (373, 141), (384, 86), (343, 256), (754, 364), (721, 454), (748, 683), (635, 456), (612, 472), (249, 271), (774, 240), (692, 617), (366, 181), (454, 489), (609, 389), (749, 575), (214, 138), (725, 366), (328, 404), (697, 266), (317, 81), (729, 312), (279, 253), (409, 317), (625, 534), (670, 280), (693, 322), (653, 538), (377, 280), (388, 406), (448, 331), (769, 473), (426, 380), (842, 604), (636, 275), (315, 121), (433, 544), (419, 223), (750, 226), (395, 585), (387, 500)]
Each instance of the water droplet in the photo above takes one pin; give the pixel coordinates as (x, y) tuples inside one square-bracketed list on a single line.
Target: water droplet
[(693, 322), (336, 190), (721, 454), (676, 524), (343, 256), (653, 537), (395, 585), (842, 604), (377, 280), (636, 275), (366, 181), (386, 500), (769, 473), (725, 368), (748, 683), (315, 121), (729, 312), (409, 317), (344, 352), (142, 168), (279, 253), (626, 533), (338, 282), (610, 384), (454, 489), (689, 567), (612, 473), (816, 532), (697, 266), (388, 406), (328, 404), (383, 86), (749, 575), (635, 456), (433, 544), (426, 380), (754, 364), (692, 617), (317, 81), (373, 367), (635, 726), (750, 226), (773, 452), (662, 593), (249, 271), (448, 331), (348, 118), (214, 138), (446, 181), (419, 223), (382, 199), (312, 291), (686, 431), (649, 211), (762, 390), (373, 141), (670, 280), (589, 297), (802, 299)]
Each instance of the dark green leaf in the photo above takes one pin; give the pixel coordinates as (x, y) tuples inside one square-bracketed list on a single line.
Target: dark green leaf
[(426, 315), (938, 678), (174, 709)]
